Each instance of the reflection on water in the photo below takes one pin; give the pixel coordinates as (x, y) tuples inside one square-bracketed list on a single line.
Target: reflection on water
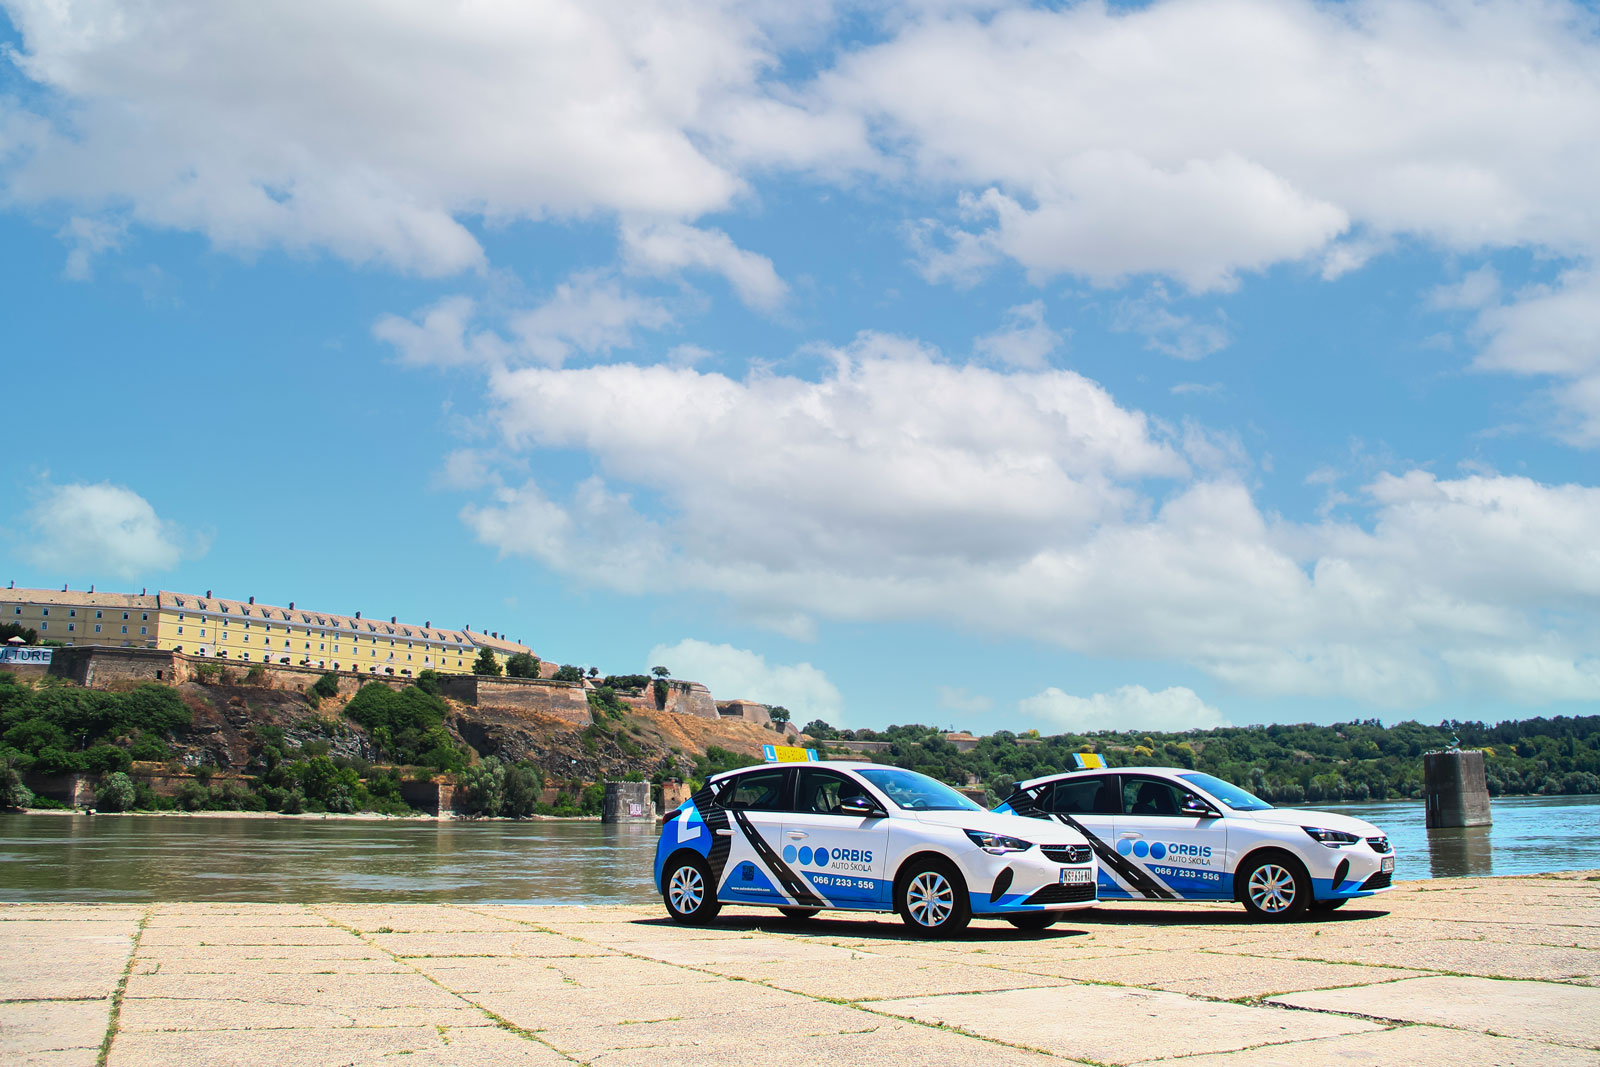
[(1460, 851), (1529, 834), (146, 857)]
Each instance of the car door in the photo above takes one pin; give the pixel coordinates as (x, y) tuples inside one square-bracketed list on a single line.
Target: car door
[(1089, 804), (1174, 838), (842, 854), (757, 802)]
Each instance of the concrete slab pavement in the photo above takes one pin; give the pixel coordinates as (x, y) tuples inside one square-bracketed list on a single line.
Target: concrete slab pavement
[(1479, 971)]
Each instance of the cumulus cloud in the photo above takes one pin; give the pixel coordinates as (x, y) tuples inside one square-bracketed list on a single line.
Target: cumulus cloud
[(668, 247), (1553, 332), (736, 673), (897, 486), (1108, 141), (1023, 340), (369, 130), (102, 528), (1165, 331), (1131, 707)]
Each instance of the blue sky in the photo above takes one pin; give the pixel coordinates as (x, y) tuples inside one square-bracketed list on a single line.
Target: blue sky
[(1068, 367)]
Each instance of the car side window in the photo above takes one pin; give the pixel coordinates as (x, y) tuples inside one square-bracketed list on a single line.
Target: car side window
[(1153, 796), (758, 791), (822, 791), (1085, 796)]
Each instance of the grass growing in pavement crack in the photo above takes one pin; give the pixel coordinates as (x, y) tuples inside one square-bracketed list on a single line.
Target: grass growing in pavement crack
[(114, 1019)]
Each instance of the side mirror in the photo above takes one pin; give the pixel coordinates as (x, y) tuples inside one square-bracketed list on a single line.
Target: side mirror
[(861, 806), (1200, 809)]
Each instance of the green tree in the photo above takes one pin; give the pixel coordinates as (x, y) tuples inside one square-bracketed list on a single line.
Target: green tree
[(116, 792), (569, 673), (523, 665), (524, 783), (484, 784), (8, 630), (660, 672), (486, 663), (13, 794), (779, 713)]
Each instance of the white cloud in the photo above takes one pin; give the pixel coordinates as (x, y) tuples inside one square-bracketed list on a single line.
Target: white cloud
[(102, 528), (1475, 289), (370, 129), (588, 313), (1199, 140), (88, 238), (1023, 340), (735, 673), (1131, 707), (1164, 331), (1028, 503), (668, 247), (1553, 331)]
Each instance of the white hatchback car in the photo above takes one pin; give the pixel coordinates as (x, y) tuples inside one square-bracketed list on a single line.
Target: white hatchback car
[(805, 836), (1166, 833)]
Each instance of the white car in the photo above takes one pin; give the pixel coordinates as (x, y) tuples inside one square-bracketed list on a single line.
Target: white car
[(1166, 833), (863, 837)]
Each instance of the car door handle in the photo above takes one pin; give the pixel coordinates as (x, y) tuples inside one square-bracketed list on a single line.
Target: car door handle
[(798, 834), (1130, 835), (724, 833)]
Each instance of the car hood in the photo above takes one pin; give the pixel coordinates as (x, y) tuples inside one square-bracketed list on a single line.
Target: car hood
[(1038, 831), (1325, 820)]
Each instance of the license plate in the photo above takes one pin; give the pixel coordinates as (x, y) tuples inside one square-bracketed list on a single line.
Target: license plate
[(1387, 865), (1075, 877)]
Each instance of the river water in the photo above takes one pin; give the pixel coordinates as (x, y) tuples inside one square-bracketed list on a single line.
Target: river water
[(153, 857)]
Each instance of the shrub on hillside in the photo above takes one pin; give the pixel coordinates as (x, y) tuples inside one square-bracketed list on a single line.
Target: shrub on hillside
[(115, 793), (408, 726), (13, 794), (484, 787), (524, 783)]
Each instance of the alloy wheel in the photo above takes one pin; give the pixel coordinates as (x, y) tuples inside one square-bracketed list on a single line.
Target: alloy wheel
[(687, 889), (1272, 888), (930, 898)]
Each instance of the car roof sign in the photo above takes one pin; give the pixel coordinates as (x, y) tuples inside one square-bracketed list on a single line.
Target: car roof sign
[(788, 754), (1089, 761)]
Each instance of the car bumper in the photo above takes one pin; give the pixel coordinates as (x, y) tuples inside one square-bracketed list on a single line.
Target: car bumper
[(1021, 882), (1356, 871)]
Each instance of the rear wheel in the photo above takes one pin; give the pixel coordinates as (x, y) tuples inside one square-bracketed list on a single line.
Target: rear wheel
[(1274, 887), (687, 890), (798, 915), (1034, 920), (1329, 905), (931, 898)]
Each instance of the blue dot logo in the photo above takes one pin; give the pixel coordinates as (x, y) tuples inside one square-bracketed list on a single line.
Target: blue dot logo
[(805, 854), (1141, 849), (1125, 847), (1158, 851), (788, 853), (822, 857)]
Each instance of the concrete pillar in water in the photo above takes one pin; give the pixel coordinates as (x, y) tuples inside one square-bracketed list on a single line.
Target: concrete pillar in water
[(627, 800), (1454, 789)]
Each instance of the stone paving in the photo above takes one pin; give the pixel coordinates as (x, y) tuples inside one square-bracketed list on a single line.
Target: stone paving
[(1501, 971)]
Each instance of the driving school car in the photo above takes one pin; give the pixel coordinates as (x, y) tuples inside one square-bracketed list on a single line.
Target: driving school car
[(1165, 833), (805, 836)]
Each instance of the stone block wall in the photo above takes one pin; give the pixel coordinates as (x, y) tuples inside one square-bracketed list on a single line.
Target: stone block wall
[(691, 698), (526, 696), (744, 711), (627, 800)]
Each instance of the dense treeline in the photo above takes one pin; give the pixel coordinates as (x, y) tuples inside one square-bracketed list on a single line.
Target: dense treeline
[(1292, 764)]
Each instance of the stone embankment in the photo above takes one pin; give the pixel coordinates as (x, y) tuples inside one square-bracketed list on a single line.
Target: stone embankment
[(1469, 971)]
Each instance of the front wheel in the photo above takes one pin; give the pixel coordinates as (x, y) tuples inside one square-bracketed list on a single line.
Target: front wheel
[(1034, 920), (932, 899), (687, 890), (1276, 888)]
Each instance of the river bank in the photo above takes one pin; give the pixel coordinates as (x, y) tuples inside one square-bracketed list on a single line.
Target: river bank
[(1470, 971)]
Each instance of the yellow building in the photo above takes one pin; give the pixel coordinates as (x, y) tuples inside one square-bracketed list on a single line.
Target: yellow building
[(247, 632)]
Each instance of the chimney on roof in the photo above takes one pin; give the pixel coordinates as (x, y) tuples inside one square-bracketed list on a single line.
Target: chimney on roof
[(393, 619), (252, 600), (143, 591), (291, 605), (208, 594), (63, 587), (427, 625), (358, 614)]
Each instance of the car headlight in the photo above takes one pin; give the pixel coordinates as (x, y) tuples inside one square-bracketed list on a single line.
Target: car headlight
[(998, 844), (1331, 838)]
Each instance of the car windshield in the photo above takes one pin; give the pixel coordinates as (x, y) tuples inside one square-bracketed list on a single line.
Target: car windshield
[(916, 792), (1229, 794)]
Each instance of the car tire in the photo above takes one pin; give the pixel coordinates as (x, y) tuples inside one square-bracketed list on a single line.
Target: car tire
[(798, 915), (931, 897), (1034, 920), (1274, 887), (1329, 905), (687, 890)]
